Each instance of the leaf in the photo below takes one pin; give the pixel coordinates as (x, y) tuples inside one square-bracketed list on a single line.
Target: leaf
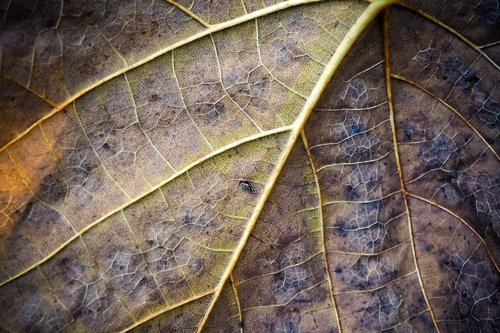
[(228, 166)]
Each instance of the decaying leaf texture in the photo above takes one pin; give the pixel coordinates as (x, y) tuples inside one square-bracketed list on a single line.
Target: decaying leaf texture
[(232, 166)]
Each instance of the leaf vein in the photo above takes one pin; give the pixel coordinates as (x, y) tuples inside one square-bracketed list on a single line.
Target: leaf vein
[(130, 202)]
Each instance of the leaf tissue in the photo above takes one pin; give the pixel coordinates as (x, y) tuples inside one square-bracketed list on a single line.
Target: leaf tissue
[(249, 166)]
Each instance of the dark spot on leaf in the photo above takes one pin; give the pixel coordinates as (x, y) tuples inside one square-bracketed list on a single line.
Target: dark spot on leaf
[(247, 186), (355, 129), (186, 219), (283, 57), (196, 266), (449, 193), (340, 231), (88, 13), (428, 247), (450, 263), (52, 188), (155, 98), (207, 112), (351, 192), (375, 205), (64, 261), (469, 80), (221, 109), (409, 132)]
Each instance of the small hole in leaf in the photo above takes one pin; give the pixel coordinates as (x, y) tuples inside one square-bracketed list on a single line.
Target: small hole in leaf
[(247, 186)]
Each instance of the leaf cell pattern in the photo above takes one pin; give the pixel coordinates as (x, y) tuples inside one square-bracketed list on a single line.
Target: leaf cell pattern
[(249, 166)]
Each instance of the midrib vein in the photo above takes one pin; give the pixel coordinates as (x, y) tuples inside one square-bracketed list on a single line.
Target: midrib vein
[(350, 38), (352, 35), (398, 160), (210, 30), (130, 202)]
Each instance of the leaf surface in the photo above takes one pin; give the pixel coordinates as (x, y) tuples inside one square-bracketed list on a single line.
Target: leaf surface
[(249, 167)]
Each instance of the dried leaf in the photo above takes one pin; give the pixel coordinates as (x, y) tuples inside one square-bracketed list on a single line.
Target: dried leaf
[(297, 166)]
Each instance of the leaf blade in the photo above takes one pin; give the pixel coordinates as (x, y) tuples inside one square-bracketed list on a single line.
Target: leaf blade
[(362, 147)]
